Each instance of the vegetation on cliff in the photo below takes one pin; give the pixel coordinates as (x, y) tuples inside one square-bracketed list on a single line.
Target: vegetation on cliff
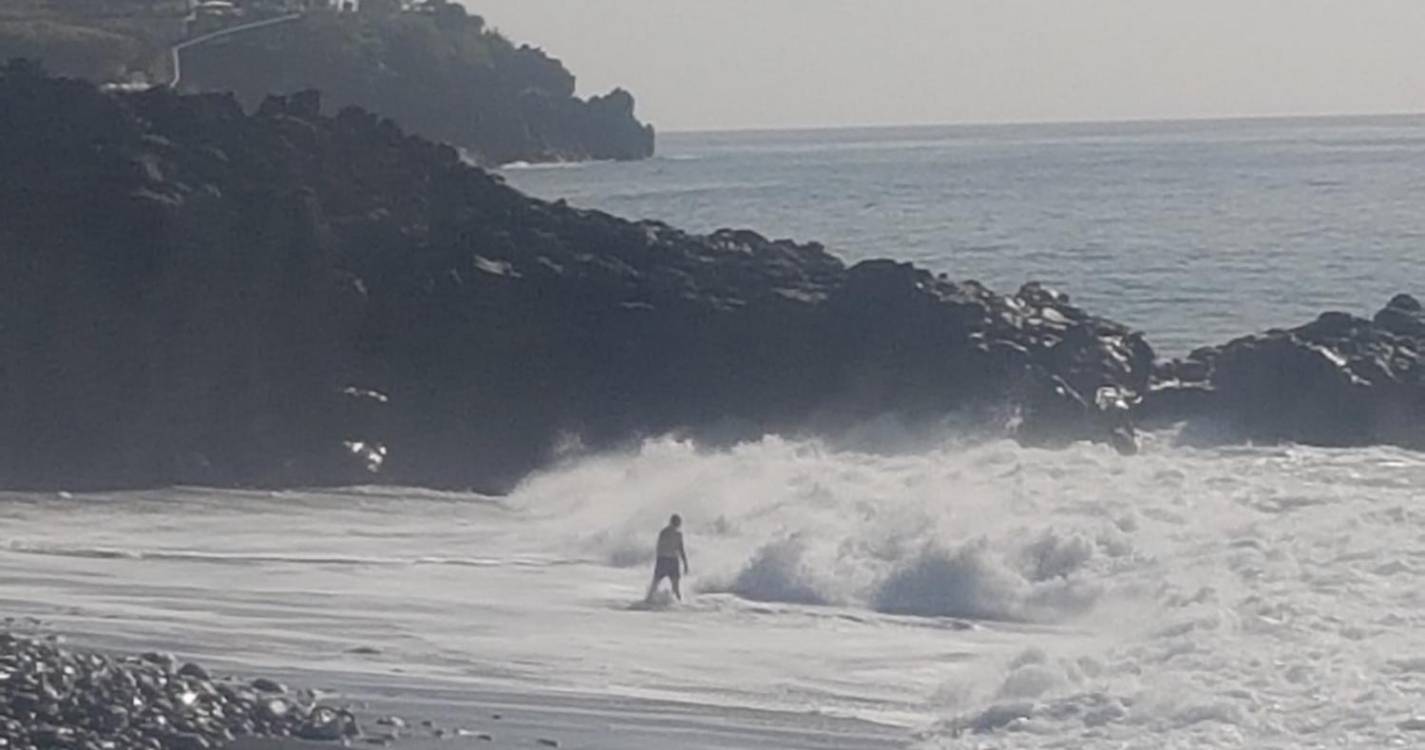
[(101, 40), (431, 65), (437, 70)]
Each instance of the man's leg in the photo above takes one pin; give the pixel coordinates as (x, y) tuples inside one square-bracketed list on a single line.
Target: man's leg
[(677, 590)]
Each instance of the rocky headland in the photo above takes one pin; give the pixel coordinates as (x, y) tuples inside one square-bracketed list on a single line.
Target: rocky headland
[(1339, 380), (192, 293), (433, 66), (436, 69)]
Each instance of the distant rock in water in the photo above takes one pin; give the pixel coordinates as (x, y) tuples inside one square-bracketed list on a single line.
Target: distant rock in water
[(190, 293), (438, 71)]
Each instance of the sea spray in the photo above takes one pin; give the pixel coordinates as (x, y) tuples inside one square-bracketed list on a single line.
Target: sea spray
[(778, 572), (967, 582), (1183, 598), (936, 533)]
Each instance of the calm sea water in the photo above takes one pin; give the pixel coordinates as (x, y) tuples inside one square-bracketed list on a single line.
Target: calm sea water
[(1195, 232)]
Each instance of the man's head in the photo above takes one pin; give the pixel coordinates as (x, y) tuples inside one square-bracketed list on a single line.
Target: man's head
[(676, 521)]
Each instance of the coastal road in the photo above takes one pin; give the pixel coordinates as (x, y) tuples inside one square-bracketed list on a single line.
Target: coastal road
[(177, 49)]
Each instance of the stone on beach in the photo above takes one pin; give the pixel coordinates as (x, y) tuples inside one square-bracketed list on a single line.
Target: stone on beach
[(193, 670), (52, 696), (268, 686)]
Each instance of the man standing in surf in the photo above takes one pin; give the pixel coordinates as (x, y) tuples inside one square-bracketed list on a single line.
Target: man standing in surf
[(670, 551)]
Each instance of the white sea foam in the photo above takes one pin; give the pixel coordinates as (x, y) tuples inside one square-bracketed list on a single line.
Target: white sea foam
[(779, 572), (980, 595), (932, 535), (1178, 587), (516, 166)]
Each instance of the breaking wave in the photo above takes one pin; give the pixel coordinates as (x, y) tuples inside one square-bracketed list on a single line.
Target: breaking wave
[(942, 533), (1204, 593), (972, 582), (778, 572), (990, 596)]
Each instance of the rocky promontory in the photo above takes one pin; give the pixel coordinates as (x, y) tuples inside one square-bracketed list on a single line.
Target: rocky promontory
[(436, 69), (1339, 380), (191, 293)]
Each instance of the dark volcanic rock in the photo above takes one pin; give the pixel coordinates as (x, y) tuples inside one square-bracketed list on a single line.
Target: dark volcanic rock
[(190, 293), (54, 697), (1337, 381), (1403, 316)]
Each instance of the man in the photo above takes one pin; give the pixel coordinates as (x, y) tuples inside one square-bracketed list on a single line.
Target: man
[(670, 551)]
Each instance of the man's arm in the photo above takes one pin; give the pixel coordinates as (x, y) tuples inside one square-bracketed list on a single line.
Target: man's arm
[(683, 553)]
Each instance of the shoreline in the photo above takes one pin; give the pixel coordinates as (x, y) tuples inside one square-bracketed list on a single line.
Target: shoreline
[(449, 613), (499, 719), (393, 710)]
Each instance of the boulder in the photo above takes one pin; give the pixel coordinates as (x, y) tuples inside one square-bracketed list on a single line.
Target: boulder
[(1339, 380), (1403, 316)]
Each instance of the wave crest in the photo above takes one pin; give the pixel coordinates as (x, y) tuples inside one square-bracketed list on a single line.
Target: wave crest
[(966, 583), (778, 572)]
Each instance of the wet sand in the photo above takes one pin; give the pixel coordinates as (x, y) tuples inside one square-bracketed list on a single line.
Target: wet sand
[(466, 718), (401, 711), (453, 717)]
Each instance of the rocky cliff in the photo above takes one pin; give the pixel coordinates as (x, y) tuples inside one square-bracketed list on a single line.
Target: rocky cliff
[(438, 71), (192, 293), (1337, 381), (431, 65)]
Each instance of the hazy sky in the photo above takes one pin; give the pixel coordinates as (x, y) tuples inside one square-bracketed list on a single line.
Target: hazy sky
[(712, 64)]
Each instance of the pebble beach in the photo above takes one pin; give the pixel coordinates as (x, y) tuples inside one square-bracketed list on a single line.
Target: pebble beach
[(55, 695)]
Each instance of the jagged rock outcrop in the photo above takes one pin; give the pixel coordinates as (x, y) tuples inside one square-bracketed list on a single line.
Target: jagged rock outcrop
[(1337, 381), (192, 293)]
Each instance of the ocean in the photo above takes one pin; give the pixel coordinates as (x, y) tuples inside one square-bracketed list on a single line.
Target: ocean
[(886, 587), (1194, 232)]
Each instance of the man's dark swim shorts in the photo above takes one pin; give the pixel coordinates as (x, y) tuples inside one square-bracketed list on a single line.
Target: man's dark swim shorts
[(667, 567)]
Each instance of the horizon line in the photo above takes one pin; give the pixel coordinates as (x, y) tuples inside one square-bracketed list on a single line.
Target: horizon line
[(1024, 123)]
